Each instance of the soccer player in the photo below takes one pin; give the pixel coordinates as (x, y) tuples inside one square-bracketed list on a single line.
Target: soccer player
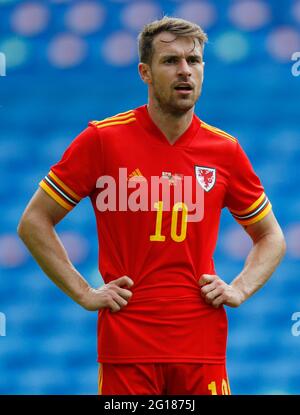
[(162, 325)]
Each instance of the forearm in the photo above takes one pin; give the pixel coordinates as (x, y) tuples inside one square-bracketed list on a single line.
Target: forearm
[(261, 262), (45, 246)]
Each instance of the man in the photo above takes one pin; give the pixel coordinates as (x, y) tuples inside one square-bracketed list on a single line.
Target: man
[(162, 326)]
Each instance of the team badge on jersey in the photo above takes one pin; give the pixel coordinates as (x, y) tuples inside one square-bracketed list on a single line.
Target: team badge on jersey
[(206, 177)]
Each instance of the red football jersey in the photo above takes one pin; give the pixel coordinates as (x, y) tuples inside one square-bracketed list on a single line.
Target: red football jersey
[(165, 254)]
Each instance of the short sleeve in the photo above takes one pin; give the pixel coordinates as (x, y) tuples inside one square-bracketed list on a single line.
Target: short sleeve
[(75, 175), (245, 196)]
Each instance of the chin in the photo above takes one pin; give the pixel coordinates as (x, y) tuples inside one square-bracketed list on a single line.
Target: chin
[(176, 107), (183, 106)]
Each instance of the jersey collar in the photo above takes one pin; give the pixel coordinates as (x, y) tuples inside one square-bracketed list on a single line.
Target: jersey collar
[(148, 124)]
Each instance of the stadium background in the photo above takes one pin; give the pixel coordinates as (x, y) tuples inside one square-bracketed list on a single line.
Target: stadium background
[(69, 62)]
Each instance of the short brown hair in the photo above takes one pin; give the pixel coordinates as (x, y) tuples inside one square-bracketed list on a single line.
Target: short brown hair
[(177, 26)]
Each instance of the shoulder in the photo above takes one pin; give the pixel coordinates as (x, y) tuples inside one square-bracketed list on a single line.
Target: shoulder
[(223, 145), (114, 122), (217, 134)]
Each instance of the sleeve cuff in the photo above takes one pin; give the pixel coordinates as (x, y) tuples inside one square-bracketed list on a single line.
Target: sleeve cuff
[(60, 192), (254, 213)]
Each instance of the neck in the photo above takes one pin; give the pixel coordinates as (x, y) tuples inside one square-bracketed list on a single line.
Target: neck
[(172, 125)]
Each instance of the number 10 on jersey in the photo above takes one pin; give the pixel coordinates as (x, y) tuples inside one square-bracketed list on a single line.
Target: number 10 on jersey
[(177, 237)]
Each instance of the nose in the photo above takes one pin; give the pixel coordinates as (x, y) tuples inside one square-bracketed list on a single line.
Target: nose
[(183, 68)]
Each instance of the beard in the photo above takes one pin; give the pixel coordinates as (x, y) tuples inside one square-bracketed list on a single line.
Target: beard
[(173, 103)]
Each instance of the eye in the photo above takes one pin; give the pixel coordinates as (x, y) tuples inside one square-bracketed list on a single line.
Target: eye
[(171, 59), (194, 59)]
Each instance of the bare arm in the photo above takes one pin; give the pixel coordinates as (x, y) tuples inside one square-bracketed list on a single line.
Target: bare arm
[(265, 255), (37, 230)]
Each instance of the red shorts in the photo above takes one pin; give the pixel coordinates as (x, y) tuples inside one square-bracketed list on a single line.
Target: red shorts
[(163, 379)]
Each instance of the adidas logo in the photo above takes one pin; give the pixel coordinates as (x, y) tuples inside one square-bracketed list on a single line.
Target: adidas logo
[(136, 173)]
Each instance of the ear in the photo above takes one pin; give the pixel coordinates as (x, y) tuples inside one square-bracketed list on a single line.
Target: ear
[(145, 72)]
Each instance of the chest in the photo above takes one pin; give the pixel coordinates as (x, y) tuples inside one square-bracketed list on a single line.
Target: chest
[(186, 171)]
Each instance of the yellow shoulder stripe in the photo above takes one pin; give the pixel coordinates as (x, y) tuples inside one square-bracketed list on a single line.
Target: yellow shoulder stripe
[(123, 113), (121, 116), (116, 122), (218, 131)]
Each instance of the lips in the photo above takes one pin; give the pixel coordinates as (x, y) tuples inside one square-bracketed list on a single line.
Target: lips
[(183, 86)]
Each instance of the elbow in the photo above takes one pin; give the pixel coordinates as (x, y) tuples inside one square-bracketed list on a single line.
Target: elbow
[(276, 245), (283, 246), (31, 224), (26, 225), (279, 245), (22, 227)]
